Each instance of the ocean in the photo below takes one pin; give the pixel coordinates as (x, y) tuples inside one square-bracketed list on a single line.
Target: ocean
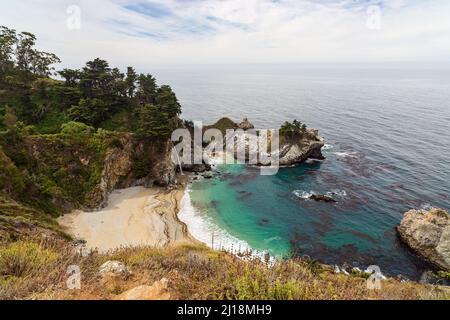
[(387, 132)]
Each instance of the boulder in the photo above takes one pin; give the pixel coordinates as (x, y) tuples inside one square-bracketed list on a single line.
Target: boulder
[(114, 269), (157, 291), (196, 168), (428, 234), (246, 125), (208, 175)]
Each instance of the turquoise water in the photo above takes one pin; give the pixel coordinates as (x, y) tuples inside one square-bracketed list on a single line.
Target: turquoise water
[(388, 133)]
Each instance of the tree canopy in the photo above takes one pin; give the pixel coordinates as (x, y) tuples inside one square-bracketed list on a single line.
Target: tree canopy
[(96, 95), (293, 130)]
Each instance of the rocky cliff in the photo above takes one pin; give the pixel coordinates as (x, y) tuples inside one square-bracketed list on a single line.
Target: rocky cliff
[(299, 147), (428, 234), (302, 148), (135, 163), (292, 151), (58, 173)]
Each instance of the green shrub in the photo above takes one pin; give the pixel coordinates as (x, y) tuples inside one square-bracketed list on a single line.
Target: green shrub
[(76, 128), (10, 176), (360, 274), (223, 125), (51, 124), (21, 259), (444, 275), (255, 284)]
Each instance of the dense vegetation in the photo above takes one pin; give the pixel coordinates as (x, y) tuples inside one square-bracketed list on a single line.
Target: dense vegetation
[(96, 95), (293, 130), (57, 127)]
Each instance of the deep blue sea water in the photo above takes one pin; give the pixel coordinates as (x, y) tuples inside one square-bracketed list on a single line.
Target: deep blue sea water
[(388, 136)]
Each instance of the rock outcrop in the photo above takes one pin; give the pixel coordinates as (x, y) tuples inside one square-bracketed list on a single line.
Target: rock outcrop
[(118, 169), (321, 198), (158, 291), (116, 165), (162, 170), (246, 125), (298, 150), (114, 269), (291, 152), (306, 144), (197, 168), (428, 234)]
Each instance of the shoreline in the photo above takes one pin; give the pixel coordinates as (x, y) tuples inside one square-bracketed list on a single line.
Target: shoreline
[(134, 217), (206, 231)]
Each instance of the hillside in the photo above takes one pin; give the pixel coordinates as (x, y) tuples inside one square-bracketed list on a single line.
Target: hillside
[(38, 271)]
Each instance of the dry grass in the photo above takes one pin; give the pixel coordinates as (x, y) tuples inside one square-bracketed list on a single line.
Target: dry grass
[(194, 272)]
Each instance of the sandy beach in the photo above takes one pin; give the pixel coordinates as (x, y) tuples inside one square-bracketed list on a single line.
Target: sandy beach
[(134, 217)]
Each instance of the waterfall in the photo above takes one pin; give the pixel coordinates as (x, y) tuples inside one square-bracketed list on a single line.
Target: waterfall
[(178, 159)]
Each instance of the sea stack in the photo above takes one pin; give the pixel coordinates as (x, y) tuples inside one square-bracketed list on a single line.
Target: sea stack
[(246, 125), (301, 148)]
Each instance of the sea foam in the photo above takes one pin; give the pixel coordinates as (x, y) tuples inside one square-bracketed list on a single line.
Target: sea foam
[(304, 194), (203, 228), (307, 194)]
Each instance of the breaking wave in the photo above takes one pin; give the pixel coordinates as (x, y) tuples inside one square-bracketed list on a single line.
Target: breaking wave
[(306, 195), (203, 228)]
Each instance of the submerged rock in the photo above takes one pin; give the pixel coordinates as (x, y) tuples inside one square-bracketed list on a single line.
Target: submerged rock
[(322, 198), (208, 175), (428, 234)]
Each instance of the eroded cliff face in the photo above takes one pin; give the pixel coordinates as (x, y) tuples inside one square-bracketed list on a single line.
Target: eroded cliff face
[(136, 163), (59, 173), (308, 146), (428, 234), (117, 164)]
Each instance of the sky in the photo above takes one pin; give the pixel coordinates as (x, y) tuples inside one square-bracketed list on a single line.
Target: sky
[(148, 33)]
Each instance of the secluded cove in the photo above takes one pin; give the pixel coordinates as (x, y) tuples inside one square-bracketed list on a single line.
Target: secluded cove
[(135, 216), (387, 153), (239, 210)]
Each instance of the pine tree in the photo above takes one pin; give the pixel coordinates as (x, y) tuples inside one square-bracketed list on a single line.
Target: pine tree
[(130, 82), (147, 89), (153, 123), (167, 101)]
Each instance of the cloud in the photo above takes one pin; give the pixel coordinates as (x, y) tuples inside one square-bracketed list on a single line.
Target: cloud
[(149, 9), (156, 32)]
